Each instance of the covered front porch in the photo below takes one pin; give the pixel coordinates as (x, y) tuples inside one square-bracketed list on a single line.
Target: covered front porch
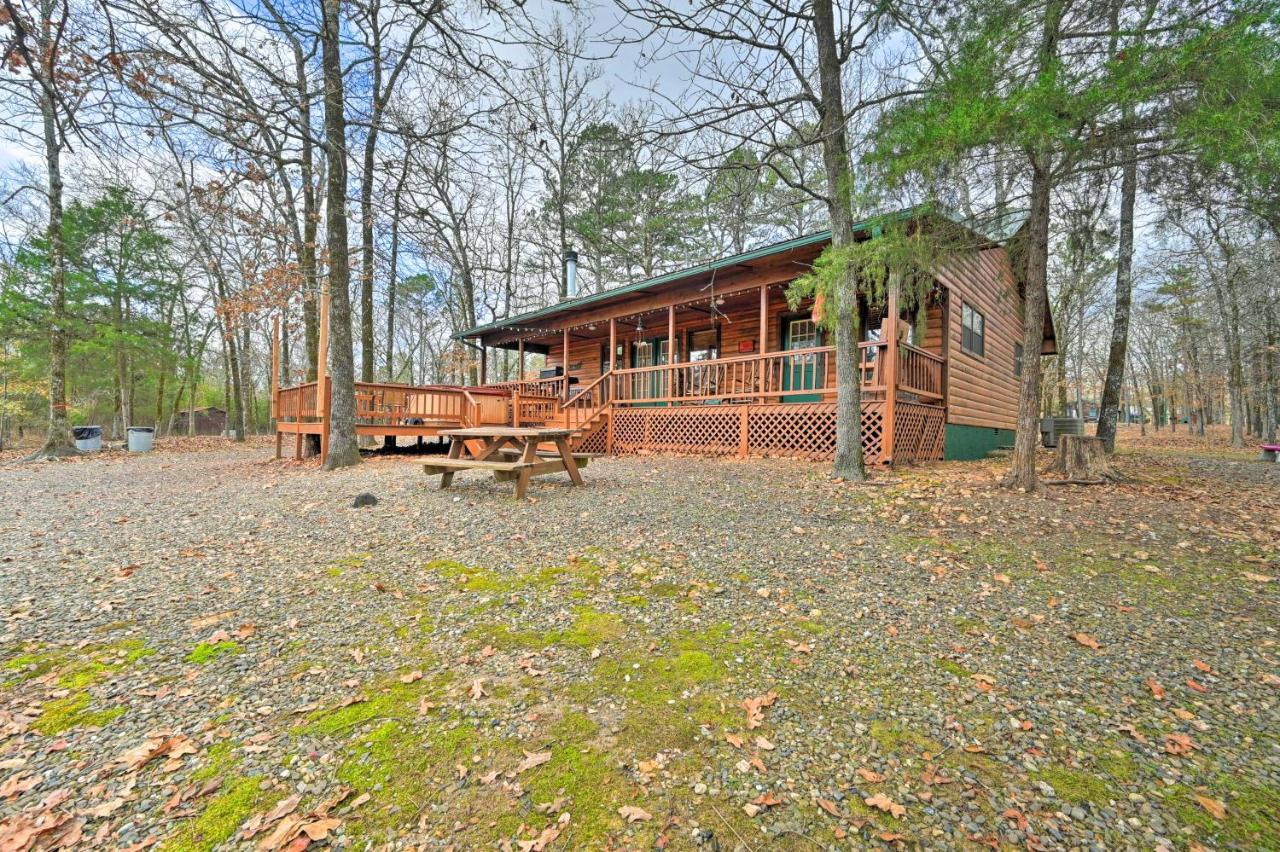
[(711, 368)]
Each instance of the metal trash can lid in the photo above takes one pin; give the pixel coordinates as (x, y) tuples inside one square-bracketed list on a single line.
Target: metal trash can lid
[(142, 428)]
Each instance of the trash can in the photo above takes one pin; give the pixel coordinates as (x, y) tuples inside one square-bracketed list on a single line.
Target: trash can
[(140, 438), (88, 438)]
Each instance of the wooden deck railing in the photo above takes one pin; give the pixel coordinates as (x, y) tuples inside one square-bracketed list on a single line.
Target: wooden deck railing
[(586, 403), (533, 387), (297, 403), (796, 372), (386, 403), (919, 372)]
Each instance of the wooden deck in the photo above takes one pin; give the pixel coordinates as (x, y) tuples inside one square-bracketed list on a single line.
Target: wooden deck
[(778, 403)]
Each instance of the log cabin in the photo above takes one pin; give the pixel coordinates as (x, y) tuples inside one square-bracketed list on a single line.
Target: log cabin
[(712, 360)]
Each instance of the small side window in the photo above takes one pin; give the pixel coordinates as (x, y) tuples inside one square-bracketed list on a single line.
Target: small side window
[(1017, 359), (973, 330)]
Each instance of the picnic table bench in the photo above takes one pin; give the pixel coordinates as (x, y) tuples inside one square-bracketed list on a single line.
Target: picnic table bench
[(519, 461)]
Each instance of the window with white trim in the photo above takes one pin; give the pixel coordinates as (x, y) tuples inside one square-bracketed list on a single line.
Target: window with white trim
[(973, 330)]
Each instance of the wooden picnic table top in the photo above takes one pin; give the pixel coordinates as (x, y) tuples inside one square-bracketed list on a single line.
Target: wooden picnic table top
[(505, 432)]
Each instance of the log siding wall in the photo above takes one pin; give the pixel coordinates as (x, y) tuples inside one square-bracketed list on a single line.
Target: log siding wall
[(983, 391)]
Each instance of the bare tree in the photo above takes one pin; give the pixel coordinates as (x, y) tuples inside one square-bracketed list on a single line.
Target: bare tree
[(46, 70), (784, 75)]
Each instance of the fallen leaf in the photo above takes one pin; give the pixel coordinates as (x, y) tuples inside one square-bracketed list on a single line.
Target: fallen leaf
[(1202, 666), (869, 776), (477, 690), (320, 829), (767, 800), (1179, 744), (755, 708), (830, 807), (1196, 685), (1086, 640), (734, 740), (411, 677), (884, 803), (16, 785), (1215, 808), (762, 743), (1156, 689), (631, 813), (532, 759)]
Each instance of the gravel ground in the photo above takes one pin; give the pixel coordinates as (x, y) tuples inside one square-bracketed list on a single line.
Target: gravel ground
[(684, 654)]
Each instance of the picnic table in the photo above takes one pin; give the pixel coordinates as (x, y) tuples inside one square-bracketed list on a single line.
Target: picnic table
[(510, 452)]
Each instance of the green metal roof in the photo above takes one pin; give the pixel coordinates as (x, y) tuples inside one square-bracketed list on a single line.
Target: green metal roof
[(1002, 233)]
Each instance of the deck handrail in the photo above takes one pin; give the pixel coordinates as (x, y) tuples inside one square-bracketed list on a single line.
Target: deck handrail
[(783, 374), (584, 405), (551, 386), (919, 372)]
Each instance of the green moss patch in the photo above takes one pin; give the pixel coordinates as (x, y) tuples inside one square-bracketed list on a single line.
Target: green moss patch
[(77, 668), (63, 714), (894, 737), (952, 667), (1253, 813), (221, 816), (1076, 786), (207, 652), (591, 628)]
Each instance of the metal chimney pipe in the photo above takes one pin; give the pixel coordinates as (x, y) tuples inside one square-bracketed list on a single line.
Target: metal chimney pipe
[(571, 273)]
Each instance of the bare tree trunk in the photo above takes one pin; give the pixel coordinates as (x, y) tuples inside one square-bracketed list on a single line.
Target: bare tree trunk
[(343, 449), (1118, 353), (58, 438), (1269, 378), (1022, 475), (835, 157), (395, 267)]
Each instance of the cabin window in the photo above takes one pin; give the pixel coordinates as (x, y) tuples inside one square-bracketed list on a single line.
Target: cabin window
[(973, 330), (803, 334), (703, 345), (1017, 359)]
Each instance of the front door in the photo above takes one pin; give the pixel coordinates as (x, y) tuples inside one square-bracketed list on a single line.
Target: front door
[(801, 372), (649, 353)]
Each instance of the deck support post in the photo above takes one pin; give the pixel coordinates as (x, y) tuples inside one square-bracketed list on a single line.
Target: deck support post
[(520, 347), (744, 431), (764, 319), (484, 364), (890, 328), (322, 376)]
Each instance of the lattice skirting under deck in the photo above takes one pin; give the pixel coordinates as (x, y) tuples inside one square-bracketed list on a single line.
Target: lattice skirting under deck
[(800, 430)]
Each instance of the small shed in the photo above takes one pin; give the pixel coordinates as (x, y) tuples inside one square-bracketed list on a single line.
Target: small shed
[(208, 421)]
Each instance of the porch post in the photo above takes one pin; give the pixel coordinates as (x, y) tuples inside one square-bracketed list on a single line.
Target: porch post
[(671, 334), (484, 363), (613, 342), (520, 346), (764, 318), (565, 364), (322, 357), (891, 366)]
